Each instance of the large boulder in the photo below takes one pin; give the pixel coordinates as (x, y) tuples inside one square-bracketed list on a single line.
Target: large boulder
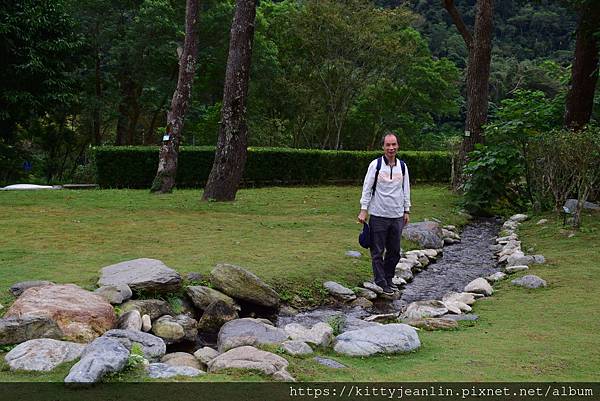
[(141, 275), (203, 296), (18, 288), (216, 315), (254, 359), (428, 234), (154, 308), (253, 331), (167, 328), (16, 330), (104, 355), (321, 334), (383, 339), (43, 354), (80, 314), (153, 347), (239, 283)]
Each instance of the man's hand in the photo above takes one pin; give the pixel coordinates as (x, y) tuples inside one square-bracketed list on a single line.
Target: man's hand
[(362, 216), (406, 218)]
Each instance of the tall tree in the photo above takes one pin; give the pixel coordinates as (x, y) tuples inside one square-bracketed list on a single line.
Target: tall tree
[(479, 44), (584, 70), (169, 151), (231, 153)]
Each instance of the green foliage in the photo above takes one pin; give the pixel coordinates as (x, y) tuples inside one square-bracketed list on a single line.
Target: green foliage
[(135, 167), (337, 324), (500, 174)]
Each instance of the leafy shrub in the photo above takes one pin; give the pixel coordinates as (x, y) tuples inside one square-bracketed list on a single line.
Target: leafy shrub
[(135, 167)]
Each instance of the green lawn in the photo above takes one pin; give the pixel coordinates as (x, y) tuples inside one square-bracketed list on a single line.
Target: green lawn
[(295, 239)]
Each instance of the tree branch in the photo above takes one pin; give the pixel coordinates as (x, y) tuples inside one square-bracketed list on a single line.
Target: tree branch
[(458, 22)]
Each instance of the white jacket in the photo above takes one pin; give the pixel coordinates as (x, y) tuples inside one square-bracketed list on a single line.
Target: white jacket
[(389, 200)]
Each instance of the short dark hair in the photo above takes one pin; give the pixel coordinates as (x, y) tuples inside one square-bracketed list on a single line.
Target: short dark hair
[(388, 133)]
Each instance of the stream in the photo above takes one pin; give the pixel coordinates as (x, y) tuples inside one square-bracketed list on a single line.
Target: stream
[(460, 264)]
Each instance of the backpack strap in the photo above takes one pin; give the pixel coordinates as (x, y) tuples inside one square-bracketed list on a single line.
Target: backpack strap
[(403, 167), (376, 175)]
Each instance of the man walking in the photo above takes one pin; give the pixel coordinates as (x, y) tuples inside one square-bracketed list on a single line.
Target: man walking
[(386, 198)]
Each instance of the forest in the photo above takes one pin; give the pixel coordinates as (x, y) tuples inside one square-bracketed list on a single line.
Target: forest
[(325, 74)]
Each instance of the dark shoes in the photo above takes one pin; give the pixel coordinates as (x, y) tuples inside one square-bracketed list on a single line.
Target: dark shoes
[(388, 291), (394, 288)]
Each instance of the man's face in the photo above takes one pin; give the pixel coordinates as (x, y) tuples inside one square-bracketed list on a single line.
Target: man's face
[(390, 146)]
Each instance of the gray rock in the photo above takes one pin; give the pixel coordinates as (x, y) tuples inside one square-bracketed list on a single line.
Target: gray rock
[(154, 308), (519, 218), (373, 287), (467, 298), (164, 371), (362, 303), (321, 334), (203, 296), (205, 355), (169, 329), (514, 269), (384, 339), (541, 222), (529, 281), (181, 359), (248, 357), (431, 324), (468, 317), (365, 293), (42, 354), (571, 205), (141, 274), (296, 348), (239, 283), (190, 326), (518, 258), (102, 356), (498, 276), (420, 309), (131, 320), (539, 259), (247, 329), (152, 346), (353, 323), (330, 363), (353, 254), (339, 291), (427, 234), (146, 323), (115, 294), (404, 271), (18, 288), (216, 315), (479, 286), (16, 330)]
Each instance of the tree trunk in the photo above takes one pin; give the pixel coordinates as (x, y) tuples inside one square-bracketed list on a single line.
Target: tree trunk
[(230, 156), (580, 99), (478, 73), (169, 151)]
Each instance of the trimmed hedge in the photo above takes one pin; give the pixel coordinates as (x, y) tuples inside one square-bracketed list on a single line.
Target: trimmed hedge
[(135, 166)]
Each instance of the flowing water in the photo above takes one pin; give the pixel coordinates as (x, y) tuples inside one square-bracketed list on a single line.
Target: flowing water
[(460, 264)]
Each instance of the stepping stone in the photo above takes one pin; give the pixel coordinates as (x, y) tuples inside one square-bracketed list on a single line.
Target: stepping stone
[(330, 363), (530, 281)]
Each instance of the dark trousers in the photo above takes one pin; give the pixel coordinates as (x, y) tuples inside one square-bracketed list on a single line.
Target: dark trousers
[(385, 237)]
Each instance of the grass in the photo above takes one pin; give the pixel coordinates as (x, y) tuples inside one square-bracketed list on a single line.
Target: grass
[(295, 238)]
